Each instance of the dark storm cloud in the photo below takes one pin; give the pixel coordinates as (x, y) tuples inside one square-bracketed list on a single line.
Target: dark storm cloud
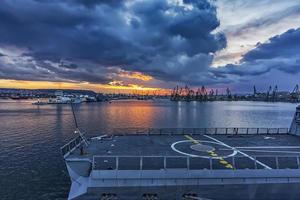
[(45, 71), (281, 52), (93, 3), (285, 45), (24, 72), (168, 41), (68, 66), (244, 70)]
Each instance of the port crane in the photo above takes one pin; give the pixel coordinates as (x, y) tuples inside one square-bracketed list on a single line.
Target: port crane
[(274, 93), (254, 91), (204, 93), (198, 94), (295, 94), (211, 92), (175, 94), (190, 95), (268, 93), (228, 93)]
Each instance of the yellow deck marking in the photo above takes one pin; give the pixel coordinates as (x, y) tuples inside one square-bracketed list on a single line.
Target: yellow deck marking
[(229, 166), (223, 162), (211, 153), (192, 139)]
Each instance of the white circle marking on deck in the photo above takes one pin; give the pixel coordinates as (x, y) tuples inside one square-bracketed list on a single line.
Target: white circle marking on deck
[(207, 157)]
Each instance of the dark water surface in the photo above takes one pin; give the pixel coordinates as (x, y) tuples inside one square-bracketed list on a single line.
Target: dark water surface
[(31, 166)]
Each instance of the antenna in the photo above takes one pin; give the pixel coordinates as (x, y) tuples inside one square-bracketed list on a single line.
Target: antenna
[(77, 129), (74, 116)]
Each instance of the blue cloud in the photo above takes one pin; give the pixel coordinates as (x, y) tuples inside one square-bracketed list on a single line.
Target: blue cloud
[(280, 53), (146, 36), (280, 46)]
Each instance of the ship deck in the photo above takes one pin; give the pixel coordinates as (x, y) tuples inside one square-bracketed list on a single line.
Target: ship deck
[(200, 151)]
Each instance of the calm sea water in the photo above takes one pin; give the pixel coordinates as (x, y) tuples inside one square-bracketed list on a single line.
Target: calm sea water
[(31, 166)]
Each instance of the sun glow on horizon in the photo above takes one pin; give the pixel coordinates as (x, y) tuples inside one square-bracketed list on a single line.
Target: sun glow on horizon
[(112, 87)]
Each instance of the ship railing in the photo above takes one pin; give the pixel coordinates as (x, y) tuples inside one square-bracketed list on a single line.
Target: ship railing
[(71, 146), (118, 163), (198, 131)]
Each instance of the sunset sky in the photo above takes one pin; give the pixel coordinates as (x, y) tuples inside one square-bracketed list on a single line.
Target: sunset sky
[(149, 45)]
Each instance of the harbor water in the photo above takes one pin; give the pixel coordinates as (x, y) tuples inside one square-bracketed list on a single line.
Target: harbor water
[(31, 166)]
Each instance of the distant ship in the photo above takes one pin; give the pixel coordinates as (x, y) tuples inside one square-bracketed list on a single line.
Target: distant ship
[(65, 99), (187, 163), (38, 102), (59, 100), (17, 97)]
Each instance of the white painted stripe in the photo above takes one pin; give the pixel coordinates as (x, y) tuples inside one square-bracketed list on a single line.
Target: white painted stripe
[(244, 154), (99, 137), (173, 146), (268, 151), (269, 147)]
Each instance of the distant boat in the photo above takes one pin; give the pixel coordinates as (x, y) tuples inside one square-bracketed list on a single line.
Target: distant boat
[(87, 98), (90, 99), (38, 102), (17, 97), (76, 100), (60, 100)]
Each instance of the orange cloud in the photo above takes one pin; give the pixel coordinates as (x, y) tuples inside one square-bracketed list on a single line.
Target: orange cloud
[(135, 75), (116, 83), (114, 86)]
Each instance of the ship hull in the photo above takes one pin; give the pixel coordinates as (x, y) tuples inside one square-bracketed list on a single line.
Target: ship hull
[(284, 191)]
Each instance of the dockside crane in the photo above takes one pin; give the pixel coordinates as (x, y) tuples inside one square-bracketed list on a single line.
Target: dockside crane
[(228, 93), (191, 95), (175, 94), (203, 93), (254, 91), (211, 94), (268, 93), (186, 92), (180, 93), (198, 94), (216, 95), (295, 94), (274, 93)]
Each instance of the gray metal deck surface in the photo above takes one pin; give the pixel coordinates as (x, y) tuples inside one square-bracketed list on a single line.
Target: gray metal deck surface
[(204, 152)]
